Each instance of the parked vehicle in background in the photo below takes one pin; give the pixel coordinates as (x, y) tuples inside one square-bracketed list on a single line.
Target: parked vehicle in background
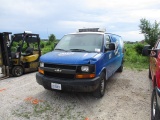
[(154, 74), (82, 62)]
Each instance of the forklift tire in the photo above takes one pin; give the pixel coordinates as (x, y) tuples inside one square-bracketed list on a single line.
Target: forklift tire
[(17, 71)]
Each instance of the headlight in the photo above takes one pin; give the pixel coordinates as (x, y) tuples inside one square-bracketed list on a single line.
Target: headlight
[(85, 68), (41, 64)]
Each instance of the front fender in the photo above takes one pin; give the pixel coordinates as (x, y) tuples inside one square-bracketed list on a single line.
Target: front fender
[(103, 70)]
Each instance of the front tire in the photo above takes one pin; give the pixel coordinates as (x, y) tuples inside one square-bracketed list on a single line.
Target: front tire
[(101, 88), (155, 113), (17, 71), (120, 69)]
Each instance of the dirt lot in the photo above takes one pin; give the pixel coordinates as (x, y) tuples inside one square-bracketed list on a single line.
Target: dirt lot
[(127, 97)]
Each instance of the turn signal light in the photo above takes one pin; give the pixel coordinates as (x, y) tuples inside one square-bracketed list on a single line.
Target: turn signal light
[(80, 76), (41, 71)]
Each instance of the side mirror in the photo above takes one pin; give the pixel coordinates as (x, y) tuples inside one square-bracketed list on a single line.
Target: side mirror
[(146, 50), (154, 53), (150, 52), (111, 46)]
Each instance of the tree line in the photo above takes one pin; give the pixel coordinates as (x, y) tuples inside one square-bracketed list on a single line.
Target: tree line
[(150, 30)]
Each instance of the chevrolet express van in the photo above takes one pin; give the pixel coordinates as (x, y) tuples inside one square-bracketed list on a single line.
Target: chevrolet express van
[(82, 62)]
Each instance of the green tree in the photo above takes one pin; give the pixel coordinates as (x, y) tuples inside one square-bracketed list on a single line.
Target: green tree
[(52, 38), (149, 30)]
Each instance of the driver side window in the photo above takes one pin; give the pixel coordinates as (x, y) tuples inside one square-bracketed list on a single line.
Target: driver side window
[(107, 41)]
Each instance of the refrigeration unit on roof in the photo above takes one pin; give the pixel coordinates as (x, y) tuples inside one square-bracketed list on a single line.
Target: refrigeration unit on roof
[(91, 30)]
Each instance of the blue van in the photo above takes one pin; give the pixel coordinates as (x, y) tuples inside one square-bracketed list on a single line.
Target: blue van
[(82, 62)]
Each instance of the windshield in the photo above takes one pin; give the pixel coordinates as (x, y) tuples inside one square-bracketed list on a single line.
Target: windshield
[(19, 44), (81, 43)]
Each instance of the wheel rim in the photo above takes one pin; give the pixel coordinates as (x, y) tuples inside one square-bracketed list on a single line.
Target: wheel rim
[(154, 106), (18, 71), (102, 85)]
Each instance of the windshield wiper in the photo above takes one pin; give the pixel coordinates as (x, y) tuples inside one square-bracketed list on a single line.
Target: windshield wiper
[(78, 50), (60, 49)]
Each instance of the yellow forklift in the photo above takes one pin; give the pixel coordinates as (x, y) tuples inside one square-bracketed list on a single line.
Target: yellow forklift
[(20, 55)]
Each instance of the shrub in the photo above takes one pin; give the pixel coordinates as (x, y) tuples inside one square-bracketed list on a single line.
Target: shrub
[(46, 50), (134, 59), (48, 43), (138, 47), (42, 45)]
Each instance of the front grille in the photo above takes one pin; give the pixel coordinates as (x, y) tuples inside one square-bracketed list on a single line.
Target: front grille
[(59, 75), (60, 66)]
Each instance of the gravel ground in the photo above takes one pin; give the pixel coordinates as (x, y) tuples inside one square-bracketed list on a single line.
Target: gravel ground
[(127, 97)]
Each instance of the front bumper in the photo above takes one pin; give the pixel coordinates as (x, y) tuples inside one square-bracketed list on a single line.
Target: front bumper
[(78, 85)]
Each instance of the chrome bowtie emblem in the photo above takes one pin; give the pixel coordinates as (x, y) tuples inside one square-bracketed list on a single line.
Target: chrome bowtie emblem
[(58, 70)]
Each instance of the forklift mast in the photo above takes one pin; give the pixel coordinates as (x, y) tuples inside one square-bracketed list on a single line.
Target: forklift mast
[(4, 57)]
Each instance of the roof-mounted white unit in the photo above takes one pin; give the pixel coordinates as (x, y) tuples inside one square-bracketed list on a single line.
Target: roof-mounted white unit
[(27, 31), (91, 30), (101, 30)]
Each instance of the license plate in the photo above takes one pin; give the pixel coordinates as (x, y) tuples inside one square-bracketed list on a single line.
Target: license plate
[(56, 86)]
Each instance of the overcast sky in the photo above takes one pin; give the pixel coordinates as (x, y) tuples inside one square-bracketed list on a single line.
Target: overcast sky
[(60, 17)]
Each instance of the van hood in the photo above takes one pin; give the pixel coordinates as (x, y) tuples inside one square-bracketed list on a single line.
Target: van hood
[(56, 57)]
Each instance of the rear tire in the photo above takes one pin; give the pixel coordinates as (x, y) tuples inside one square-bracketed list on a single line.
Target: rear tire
[(155, 113), (101, 88), (17, 71)]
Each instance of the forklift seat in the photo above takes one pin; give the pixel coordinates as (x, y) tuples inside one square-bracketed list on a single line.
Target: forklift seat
[(29, 51)]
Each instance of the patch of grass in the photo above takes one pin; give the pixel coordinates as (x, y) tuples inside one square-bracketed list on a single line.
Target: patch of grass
[(69, 113), (133, 57), (46, 111), (28, 110)]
